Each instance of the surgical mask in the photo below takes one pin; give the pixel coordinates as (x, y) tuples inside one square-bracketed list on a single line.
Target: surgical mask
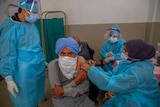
[(124, 56), (31, 18), (68, 66), (128, 59), (113, 40)]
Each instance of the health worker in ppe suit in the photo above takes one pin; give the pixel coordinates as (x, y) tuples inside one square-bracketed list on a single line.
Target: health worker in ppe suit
[(112, 48), (68, 82), (132, 80), (22, 61)]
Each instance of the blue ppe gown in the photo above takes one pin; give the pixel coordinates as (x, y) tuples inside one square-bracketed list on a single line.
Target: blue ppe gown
[(116, 48), (134, 84), (22, 57)]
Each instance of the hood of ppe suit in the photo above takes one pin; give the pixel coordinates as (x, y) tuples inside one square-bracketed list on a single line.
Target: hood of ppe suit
[(139, 49), (69, 43)]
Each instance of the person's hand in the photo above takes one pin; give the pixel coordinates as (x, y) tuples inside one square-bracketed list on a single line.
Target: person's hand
[(12, 88), (91, 62), (85, 67), (107, 60), (109, 54), (57, 91), (82, 75), (11, 85)]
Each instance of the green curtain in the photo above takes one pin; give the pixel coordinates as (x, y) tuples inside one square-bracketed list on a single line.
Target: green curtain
[(37, 23), (53, 29)]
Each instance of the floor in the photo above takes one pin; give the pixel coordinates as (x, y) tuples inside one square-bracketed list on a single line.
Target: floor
[(6, 102)]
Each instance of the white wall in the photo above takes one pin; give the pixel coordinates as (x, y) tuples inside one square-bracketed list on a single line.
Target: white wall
[(3, 7), (2, 10), (157, 11), (99, 11), (105, 11)]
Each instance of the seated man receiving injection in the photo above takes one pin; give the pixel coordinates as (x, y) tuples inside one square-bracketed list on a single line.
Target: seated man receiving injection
[(68, 82)]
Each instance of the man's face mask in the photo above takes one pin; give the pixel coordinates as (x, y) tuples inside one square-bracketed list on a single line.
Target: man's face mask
[(68, 66)]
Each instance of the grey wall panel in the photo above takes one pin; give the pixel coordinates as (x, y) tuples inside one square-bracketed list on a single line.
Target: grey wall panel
[(93, 34)]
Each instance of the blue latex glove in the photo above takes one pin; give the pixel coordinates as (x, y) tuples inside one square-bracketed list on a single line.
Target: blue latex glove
[(11, 86)]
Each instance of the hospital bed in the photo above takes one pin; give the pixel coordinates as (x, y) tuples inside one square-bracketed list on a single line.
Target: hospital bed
[(11, 9), (53, 26)]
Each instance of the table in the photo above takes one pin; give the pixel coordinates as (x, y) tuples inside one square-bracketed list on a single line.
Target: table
[(157, 72), (156, 68)]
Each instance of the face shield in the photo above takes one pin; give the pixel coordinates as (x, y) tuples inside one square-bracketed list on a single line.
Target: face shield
[(30, 5), (112, 33), (33, 8)]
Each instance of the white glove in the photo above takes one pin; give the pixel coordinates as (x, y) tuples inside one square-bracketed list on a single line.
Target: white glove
[(107, 60), (109, 54), (11, 86)]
